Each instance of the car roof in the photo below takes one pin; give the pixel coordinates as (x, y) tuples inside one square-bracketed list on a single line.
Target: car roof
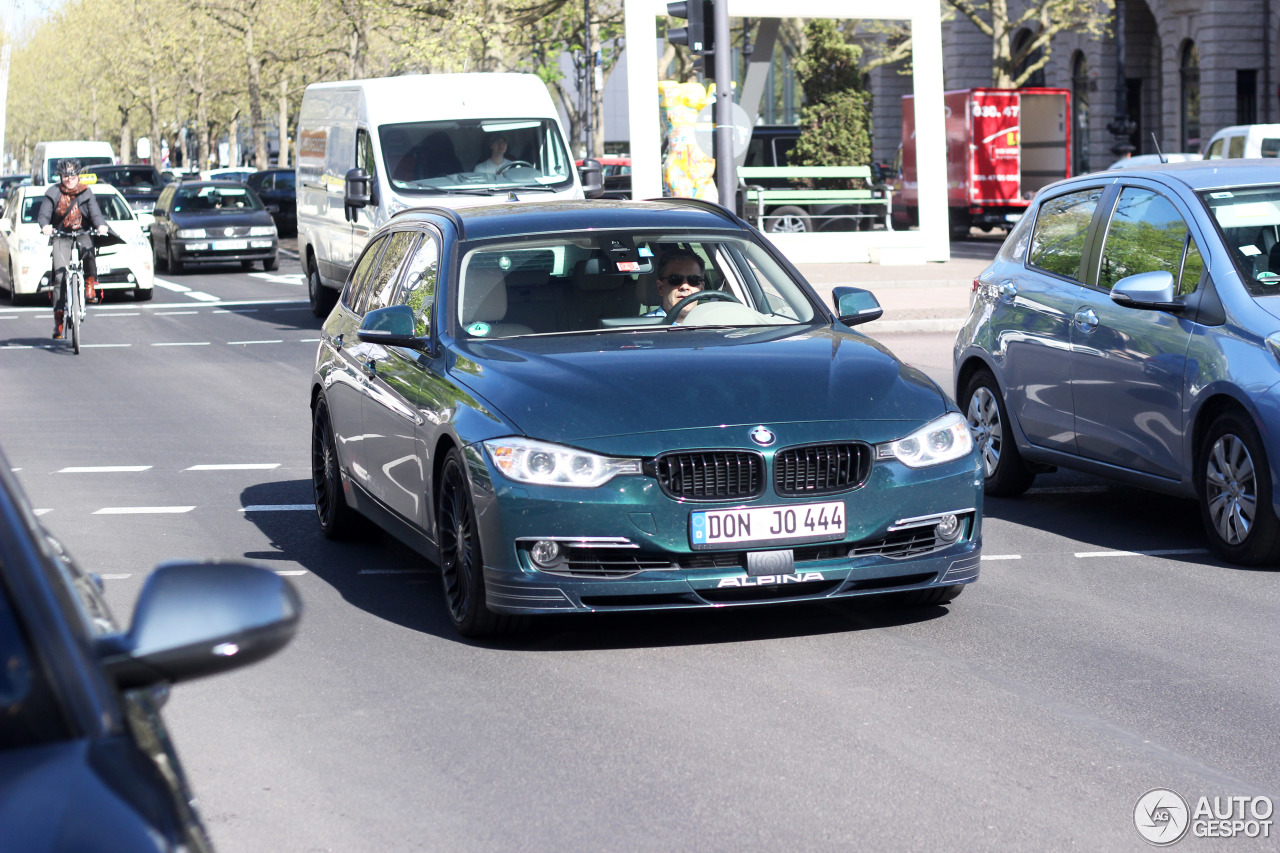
[(1207, 174), (212, 183), (507, 220)]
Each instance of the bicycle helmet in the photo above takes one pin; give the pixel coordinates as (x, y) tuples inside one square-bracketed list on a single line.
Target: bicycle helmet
[(68, 167)]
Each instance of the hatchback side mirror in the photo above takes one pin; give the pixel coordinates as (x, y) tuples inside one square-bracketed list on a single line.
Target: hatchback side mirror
[(196, 619), (592, 174), (855, 305), (1153, 290)]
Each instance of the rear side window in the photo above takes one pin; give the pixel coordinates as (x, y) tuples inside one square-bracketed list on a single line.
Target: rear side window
[(1270, 148), (1146, 234), (1057, 243), (1235, 146)]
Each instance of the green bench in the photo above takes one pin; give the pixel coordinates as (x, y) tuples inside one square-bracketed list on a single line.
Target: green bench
[(795, 208)]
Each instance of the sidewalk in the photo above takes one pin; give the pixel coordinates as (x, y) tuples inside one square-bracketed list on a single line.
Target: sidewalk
[(915, 297)]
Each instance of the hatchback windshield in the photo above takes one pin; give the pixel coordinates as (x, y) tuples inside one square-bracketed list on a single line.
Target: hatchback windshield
[(478, 156), (623, 282), (1249, 218), (130, 177), (215, 200)]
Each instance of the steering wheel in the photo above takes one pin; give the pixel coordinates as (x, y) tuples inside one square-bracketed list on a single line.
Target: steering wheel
[(506, 167), (710, 295)]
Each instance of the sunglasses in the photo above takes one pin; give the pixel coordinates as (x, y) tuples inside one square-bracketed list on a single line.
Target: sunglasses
[(676, 280)]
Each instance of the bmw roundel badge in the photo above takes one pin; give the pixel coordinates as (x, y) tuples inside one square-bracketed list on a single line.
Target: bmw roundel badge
[(763, 436)]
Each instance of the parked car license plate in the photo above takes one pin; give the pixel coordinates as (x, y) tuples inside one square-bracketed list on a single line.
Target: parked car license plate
[(230, 244), (766, 525)]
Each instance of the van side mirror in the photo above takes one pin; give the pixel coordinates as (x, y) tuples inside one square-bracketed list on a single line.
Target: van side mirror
[(357, 193), (592, 175)]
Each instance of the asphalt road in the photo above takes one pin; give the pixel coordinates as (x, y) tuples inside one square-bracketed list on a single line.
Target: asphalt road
[(1103, 652)]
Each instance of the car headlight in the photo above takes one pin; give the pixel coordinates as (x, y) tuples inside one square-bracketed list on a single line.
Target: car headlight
[(262, 231), (943, 440), (141, 243), (540, 463), (190, 233)]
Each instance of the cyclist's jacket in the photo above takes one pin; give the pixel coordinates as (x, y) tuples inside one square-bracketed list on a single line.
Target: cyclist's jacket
[(76, 211)]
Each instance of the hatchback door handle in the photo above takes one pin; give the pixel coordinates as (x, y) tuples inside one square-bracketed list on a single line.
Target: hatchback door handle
[(1008, 291), (1086, 320)]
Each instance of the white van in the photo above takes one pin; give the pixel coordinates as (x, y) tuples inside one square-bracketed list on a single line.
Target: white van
[(368, 149), (44, 166), (1244, 140)]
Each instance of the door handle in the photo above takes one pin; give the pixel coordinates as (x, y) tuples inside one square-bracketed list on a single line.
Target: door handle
[(1008, 291), (1085, 320)]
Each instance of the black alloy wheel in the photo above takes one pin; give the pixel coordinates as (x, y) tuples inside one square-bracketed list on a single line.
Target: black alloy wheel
[(1235, 491), (461, 563), (1005, 474), (337, 520)]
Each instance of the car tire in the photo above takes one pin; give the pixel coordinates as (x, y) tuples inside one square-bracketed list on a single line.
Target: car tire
[(161, 260), (1005, 474), (270, 264), (925, 597), (143, 294), (246, 265), (174, 265), (322, 299), (461, 562), (337, 519), (959, 226), (1235, 489), (789, 219)]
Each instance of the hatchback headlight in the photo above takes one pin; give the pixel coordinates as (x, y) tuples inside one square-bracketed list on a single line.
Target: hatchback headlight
[(190, 234), (943, 440), (540, 463), (262, 231)]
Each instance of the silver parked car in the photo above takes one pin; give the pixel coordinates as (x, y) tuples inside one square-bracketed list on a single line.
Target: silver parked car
[(1130, 327)]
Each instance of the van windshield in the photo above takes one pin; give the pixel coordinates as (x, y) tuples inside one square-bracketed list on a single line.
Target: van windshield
[(478, 156), (85, 164)]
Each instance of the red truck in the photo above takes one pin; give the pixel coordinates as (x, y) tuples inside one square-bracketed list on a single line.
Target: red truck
[(1002, 146)]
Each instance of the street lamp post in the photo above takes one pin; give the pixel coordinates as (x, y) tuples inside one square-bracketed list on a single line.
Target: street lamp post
[(1121, 126)]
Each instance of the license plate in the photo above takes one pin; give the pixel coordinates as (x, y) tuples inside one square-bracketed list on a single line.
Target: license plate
[(103, 269), (766, 525), (1012, 217), (230, 244)]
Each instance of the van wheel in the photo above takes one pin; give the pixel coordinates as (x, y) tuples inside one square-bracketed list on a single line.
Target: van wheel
[(789, 219), (1005, 474), (322, 298)]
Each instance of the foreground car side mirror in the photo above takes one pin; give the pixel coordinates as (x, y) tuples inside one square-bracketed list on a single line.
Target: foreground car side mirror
[(592, 174), (855, 305), (392, 326), (1152, 290), (195, 619)]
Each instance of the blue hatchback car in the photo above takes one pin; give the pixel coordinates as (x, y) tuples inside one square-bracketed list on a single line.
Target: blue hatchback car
[(611, 405), (1130, 327)]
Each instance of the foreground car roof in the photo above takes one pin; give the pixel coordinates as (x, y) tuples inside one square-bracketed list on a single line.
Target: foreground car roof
[(505, 220), (1209, 174)]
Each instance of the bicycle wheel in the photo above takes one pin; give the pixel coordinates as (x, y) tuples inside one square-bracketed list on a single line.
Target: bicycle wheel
[(75, 309)]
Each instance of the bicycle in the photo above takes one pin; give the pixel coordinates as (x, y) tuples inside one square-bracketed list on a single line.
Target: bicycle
[(73, 281)]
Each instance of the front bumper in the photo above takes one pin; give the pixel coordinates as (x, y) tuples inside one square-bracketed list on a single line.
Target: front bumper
[(207, 251), (627, 546)]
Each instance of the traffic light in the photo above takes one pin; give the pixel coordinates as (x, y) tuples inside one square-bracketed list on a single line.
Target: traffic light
[(699, 35)]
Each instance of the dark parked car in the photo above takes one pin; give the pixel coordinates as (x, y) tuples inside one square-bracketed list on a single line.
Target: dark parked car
[(1130, 327), (86, 763), (278, 190), (139, 184), (212, 222), (507, 389)]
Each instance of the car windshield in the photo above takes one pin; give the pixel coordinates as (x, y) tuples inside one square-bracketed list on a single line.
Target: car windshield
[(130, 178), (228, 199), (478, 156), (1249, 219), (608, 282)]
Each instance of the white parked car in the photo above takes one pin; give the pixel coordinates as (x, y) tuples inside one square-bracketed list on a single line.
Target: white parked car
[(26, 258), (1149, 159)]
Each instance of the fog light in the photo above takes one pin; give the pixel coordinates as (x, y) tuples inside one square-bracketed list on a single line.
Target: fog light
[(948, 528), (545, 552)]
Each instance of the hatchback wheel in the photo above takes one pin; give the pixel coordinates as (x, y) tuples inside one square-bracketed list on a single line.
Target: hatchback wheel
[(1005, 474), (1235, 493), (337, 520), (461, 564)]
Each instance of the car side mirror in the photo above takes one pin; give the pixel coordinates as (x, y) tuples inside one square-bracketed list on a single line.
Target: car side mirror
[(358, 192), (592, 174), (855, 305), (196, 619), (1151, 290), (392, 326)]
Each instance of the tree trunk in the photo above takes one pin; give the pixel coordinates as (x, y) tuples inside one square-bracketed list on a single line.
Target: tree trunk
[(283, 160), (126, 138), (153, 95), (260, 157), (233, 141)]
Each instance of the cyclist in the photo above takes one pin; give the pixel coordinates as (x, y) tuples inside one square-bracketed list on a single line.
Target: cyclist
[(70, 206)]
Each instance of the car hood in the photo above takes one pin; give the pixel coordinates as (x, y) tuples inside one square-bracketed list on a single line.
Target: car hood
[(203, 219), (592, 386)]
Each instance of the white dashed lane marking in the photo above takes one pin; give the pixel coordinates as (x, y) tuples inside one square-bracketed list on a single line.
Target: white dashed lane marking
[(104, 469), (143, 510), (103, 346), (183, 344), (1170, 552), (246, 343), (236, 466), (1002, 556), (279, 508)]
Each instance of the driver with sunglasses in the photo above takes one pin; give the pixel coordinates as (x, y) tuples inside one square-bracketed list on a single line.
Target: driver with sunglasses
[(680, 274)]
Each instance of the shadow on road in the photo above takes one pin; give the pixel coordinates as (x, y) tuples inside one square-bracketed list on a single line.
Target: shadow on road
[(406, 591)]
